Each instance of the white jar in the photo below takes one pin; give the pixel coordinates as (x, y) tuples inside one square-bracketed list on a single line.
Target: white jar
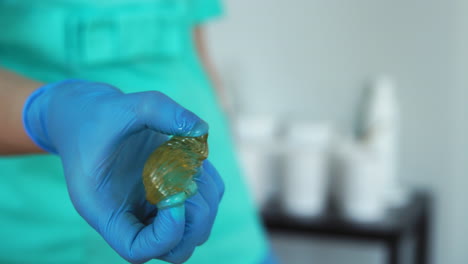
[(305, 174), (360, 189), (256, 138)]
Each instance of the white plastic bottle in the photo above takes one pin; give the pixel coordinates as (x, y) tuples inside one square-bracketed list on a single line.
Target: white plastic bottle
[(379, 129)]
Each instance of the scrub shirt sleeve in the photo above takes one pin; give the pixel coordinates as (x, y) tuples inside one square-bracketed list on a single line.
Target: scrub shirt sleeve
[(205, 10)]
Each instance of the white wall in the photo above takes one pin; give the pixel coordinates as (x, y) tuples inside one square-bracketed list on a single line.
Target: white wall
[(309, 59), (459, 227)]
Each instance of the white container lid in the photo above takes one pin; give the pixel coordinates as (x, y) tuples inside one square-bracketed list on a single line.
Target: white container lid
[(306, 135)]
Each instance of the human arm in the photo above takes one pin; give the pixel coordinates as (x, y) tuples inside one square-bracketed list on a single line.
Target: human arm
[(103, 138), (209, 67), (14, 90)]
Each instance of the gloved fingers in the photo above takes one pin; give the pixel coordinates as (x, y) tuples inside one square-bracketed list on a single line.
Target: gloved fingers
[(138, 243), (158, 112), (151, 211), (215, 177), (197, 224), (179, 255), (211, 194)]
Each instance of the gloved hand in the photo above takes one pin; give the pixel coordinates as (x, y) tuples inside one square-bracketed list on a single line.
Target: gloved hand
[(103, 138)]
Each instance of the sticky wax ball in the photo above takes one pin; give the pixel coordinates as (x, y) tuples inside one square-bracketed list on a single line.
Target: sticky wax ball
[(168, 173)]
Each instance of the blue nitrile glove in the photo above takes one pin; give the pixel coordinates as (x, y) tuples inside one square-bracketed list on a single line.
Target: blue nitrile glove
[(103, 138)]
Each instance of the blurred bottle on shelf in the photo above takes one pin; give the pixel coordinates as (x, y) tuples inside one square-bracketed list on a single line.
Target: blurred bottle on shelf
[(378, 129), (365, 176)]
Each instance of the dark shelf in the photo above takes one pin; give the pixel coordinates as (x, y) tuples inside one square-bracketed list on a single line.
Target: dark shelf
[(410, 220)]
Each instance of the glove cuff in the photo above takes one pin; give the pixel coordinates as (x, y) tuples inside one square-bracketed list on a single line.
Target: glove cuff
[(33, 120)]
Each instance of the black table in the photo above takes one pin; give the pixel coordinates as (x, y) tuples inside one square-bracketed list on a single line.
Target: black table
[(413, 219)]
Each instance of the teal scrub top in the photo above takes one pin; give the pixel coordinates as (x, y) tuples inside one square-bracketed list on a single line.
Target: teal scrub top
[(136, 45)]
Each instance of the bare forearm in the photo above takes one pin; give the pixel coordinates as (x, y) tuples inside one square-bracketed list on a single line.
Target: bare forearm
[(204, 56), (14, 90), (210, 69)]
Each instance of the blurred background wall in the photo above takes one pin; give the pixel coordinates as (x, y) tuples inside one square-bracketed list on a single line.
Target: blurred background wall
[(459, 226), (307, 59)]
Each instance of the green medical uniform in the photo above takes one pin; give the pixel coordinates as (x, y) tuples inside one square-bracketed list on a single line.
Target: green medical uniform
[(136, 45)]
